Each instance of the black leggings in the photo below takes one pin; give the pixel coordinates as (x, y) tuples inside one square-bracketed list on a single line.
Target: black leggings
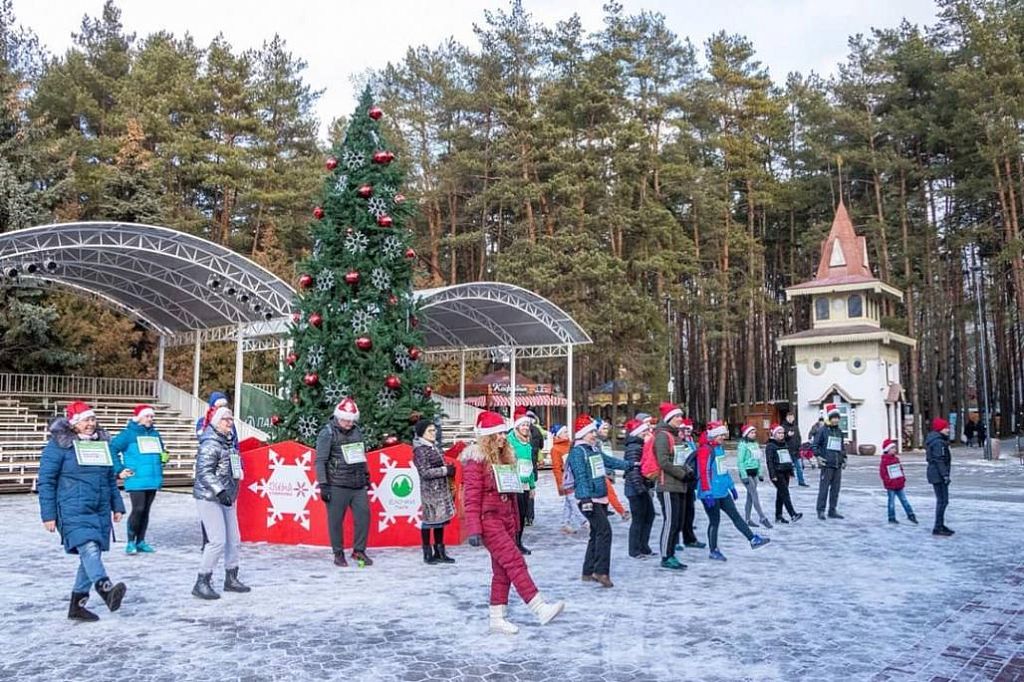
[(138, 520), (438, 536), (524, 505), (725, 504), (782, 498)]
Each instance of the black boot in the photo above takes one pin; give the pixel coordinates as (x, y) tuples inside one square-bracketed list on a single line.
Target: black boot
[(779, 519), (232, 583), (112, 594), (77, 610), (428, 555), (203, 589), (442, 555)]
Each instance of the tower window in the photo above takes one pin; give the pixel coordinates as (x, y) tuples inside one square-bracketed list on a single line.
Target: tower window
[(855, 306), (821, 308)]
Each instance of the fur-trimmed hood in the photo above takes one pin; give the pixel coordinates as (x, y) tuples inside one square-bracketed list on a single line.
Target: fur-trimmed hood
[(64, 434), (474, 453)]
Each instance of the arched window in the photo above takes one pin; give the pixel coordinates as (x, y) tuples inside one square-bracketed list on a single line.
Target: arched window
[(821, 308), (855, 306)]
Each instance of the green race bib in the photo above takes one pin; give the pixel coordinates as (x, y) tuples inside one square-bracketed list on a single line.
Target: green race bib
[(93, 453)]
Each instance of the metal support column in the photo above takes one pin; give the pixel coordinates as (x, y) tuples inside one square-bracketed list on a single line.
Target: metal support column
[(462, 386), (196, 357), (238, 371), (512, 385), (162, 344), (568, 392)]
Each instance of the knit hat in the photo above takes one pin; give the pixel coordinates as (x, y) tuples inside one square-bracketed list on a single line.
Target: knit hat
[(347, 409), (668, 411), (221, 413), (532, 415), (888, 445), (490, 423), (521, 417), (218, 399), (142, 411), (775, 430), (637, 427), (421, 427), (559, 430), (749, 431), (716, 429), (832, 410), (584, 425), (77, 411), (687, 423), (643, 417), (939, 424)]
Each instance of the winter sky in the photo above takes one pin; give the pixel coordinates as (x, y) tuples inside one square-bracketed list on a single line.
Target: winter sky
[(342, 39)]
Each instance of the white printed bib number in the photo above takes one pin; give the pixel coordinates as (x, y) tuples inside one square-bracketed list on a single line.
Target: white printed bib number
[(354, 453), (680, 454), (525, 468), (720, 467), (149, 445), (895, 471), (506, 479), (236, 465), (834, 443), (92, 453), (597, 469), (784, 457)]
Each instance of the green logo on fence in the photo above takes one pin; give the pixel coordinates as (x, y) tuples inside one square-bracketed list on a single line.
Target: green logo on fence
[(401, 486)]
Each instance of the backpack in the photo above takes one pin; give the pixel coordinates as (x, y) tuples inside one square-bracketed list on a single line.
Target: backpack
[(649, 467), (568, 480), (691, 461)]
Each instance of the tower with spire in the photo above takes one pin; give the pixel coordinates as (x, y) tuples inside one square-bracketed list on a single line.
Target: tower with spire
[(847, 358)]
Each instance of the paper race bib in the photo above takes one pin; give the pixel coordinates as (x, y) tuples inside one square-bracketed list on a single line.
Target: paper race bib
[(506, 479), (834, 443), (895, 471), (597, 469), (784, 457), (720, 466), (236, 464), (354, 453), (681, 452), (525, 467), (149, 445), (92, 453)]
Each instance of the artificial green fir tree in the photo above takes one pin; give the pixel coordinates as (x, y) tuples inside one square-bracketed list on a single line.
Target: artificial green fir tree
[(354, 330)]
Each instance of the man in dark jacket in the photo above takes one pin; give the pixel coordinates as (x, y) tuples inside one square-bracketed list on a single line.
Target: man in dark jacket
[(828, 448), (792, 433), (344, 477), (939, 460), (673, 483)]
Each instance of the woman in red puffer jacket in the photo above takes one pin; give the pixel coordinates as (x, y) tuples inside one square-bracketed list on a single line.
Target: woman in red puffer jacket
[(894, 481)]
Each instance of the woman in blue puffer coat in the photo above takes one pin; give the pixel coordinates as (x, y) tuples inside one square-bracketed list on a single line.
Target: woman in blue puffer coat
[(139, 456), (77, 495)]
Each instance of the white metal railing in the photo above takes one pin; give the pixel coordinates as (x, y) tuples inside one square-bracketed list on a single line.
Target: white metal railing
[(75, 386), (193, 407), (455, 409), (266, 388)]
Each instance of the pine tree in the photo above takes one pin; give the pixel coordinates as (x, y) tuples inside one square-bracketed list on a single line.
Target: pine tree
[(355, 329)]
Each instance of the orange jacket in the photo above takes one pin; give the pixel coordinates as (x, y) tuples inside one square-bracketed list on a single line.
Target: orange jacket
[(559, 449)]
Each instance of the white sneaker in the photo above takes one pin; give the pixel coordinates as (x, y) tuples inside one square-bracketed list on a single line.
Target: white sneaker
[(499, 624), (545, 612)]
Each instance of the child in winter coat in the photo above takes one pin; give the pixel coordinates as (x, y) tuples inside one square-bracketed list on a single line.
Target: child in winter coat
[(779, 458), (894, 480), (490, 490), (748, 461), (716, 490)]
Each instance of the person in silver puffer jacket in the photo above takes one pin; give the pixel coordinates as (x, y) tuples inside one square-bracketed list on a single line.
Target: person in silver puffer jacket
[(217, 474)]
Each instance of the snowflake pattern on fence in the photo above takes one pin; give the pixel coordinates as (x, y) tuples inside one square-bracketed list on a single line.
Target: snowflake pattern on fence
[(392, 247), (361, 321), (386, 398), (325, 281), (315, 357), (308, 426), (356, 243), (377, 206), (381, 279), (353, 160), (288, 488)]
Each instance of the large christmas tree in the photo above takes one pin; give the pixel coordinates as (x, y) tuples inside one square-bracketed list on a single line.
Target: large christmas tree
[(354, 332)]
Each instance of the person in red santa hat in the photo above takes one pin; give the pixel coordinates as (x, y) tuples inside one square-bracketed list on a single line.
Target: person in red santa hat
[(674, 482), (139, 456), (894, 480), (77, 497), (490, 490)]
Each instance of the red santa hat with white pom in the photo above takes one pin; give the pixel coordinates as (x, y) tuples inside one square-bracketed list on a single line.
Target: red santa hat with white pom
[(77, 411), (489, 424), (716, 428), (889, 446), (141, 412), (521, 417), (584, 424), (347, 409)]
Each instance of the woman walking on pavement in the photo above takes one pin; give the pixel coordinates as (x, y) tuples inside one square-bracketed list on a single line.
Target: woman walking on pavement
[(716, 489), (638, 490), (77, 496), (491, 487), (218, 471), (779, 459), (139, 456), (435, 492), (748, 461), (572, 518), (673, 482)]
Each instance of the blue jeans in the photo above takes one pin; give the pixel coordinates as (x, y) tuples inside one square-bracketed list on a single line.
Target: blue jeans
[(90, 567), (798, 467), (902, 494)]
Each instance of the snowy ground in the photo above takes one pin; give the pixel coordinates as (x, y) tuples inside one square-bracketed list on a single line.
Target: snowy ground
[(825, 600)]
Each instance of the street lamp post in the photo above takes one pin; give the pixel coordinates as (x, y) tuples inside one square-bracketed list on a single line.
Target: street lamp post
[(985, 417), (670, 389)]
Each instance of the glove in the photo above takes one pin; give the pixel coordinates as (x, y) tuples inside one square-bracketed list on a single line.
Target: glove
[(708, 502), (735, 495), (475, 541), (224, 498), (165, 457), (450, 468), (325, 494)]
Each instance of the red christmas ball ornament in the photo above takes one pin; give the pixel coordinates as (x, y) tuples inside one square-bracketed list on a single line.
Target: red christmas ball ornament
[(316, 320), (410, 254), (399, 198), (382, 157), (311, 379), (318, 213), (296, 318), (375, 113), (291, 359), (305, 280), (332, 163), (391, 156), (428, 391), (364, 343), (414, 321), (393, 382), (384, 220), (352, 277), (365, 191), (275, 419), (414, 353), (392, 300), (390, 440)]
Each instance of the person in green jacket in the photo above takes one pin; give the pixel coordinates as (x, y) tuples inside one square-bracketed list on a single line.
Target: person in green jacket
[(521, 442), (748, 461), (139, 455)]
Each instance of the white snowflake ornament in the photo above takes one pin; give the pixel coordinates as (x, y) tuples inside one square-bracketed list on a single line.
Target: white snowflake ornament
[(334, 392), (325, 280), (315, 357), (341, 183), (381, 278), (402, 358), (308, 427), (361, 321), (353, 160), (356, 243), (392, 247), (386, 398), (377, 206)]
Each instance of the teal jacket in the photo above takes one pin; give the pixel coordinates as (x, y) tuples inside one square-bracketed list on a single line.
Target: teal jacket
[(748, 457), (148, 468)]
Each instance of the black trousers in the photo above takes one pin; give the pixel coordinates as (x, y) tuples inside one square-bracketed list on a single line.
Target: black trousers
[(828, 488), (598, 559), (689, 537), (671, 521), (138, 520), (341, 500), (523, 503), (641, 508), (941, 502), (725, 504), (782, 498)]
